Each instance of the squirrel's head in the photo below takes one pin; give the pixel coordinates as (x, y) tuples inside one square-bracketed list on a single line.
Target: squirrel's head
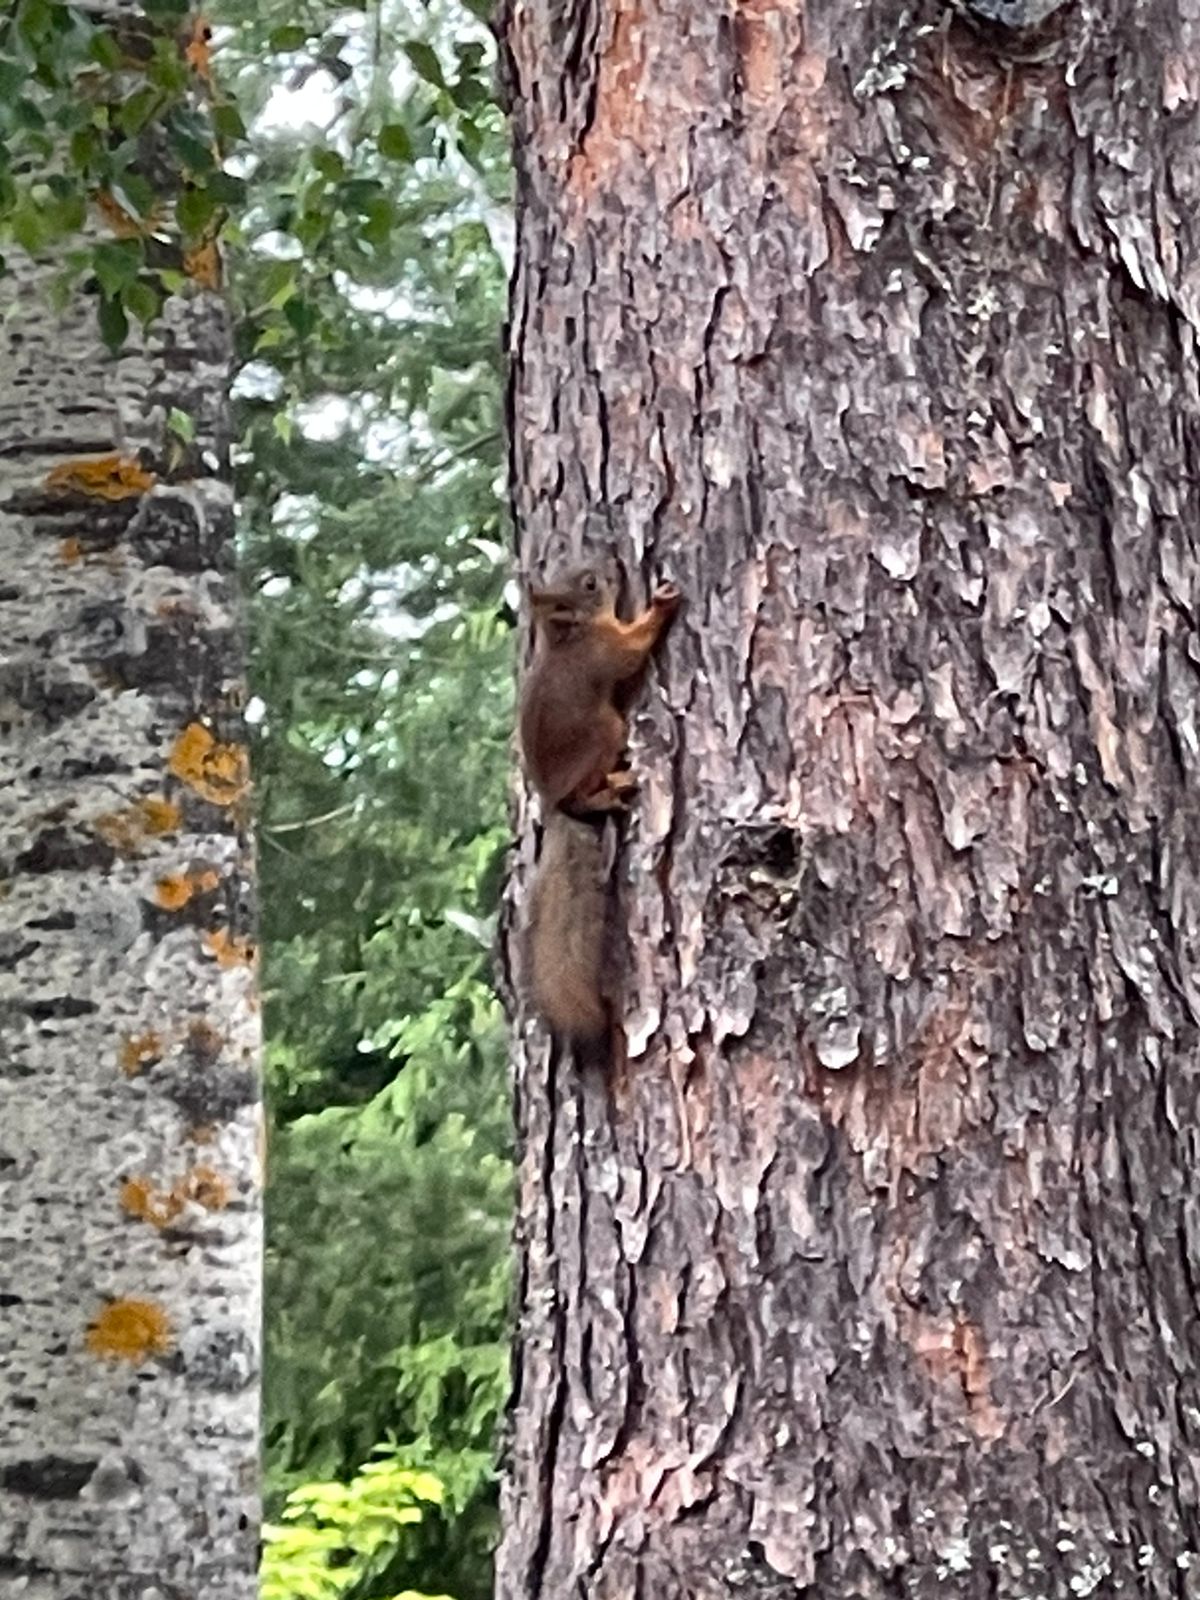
[(578, 592)]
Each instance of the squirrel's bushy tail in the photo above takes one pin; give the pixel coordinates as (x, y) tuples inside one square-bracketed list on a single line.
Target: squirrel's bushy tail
[(567, 930)]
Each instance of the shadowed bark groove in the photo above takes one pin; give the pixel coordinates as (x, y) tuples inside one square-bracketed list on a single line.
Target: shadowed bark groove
[(870, 1272)]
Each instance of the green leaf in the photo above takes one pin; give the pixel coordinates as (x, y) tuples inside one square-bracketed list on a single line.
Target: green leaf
[(104, 50), (12, 78), (278, 284), (271, 338), (197, 156), (136, 195), (181, 424), (194, 211), (66, 213), (28, 226), (227, 121), (226, 188), (116, 263), (302, 315), (395, 142), (144, 300), (328, 163), (34, 20), (381, 219), (469, 94), (135, 112), (114, 325), (85, 148), (287, 38), (168, 69), (28, 116), (425, 62)]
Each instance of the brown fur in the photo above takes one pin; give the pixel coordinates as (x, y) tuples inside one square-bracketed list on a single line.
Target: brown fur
[(572, 733), (572, 737), (567, 930)]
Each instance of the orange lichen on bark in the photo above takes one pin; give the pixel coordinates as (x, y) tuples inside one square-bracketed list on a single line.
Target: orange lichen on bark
[(173, 892), (123, 223), (111, 477), (130, 1330), (208, 1188), (203, 264), (160, 1207), (219, 773), (70, 552), (204, 1041), (139, 1051), (228, 951), (149, 818), (159, 815), (198, 51)]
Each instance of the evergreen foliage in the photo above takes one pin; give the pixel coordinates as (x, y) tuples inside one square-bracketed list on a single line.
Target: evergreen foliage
[(370, 297)]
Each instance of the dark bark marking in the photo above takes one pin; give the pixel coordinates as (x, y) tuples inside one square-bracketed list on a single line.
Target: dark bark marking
[(51, 697), (225, 1362), (13, 953), (48, 1477), (212, 910), (60, 850), (53, 445), (57, 1007), (184, 663), (170, 533), (206, 1093)]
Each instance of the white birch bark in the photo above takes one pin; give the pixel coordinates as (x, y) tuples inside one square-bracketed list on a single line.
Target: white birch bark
[(130, 1129)]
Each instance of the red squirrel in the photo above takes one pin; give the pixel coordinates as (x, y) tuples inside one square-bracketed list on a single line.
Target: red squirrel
[(572, 733)]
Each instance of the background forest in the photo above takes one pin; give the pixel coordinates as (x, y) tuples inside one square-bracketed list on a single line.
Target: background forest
[(369, 286)]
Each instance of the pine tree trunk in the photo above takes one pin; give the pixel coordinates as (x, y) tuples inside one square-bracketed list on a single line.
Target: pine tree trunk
[(131, 1128), (871, 1273)]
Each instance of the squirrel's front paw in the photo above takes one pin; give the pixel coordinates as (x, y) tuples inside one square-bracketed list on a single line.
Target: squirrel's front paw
[(666, 598)]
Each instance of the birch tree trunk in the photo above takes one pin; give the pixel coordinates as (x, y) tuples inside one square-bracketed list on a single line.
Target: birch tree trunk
[(871, 1271), (130, 1131)]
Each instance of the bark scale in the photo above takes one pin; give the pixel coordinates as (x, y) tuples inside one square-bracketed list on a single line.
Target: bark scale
[(130, 1136), (871, 1271)]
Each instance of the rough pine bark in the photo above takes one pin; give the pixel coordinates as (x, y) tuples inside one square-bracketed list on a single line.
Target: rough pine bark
[(130, 1131), (869, 1268)]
